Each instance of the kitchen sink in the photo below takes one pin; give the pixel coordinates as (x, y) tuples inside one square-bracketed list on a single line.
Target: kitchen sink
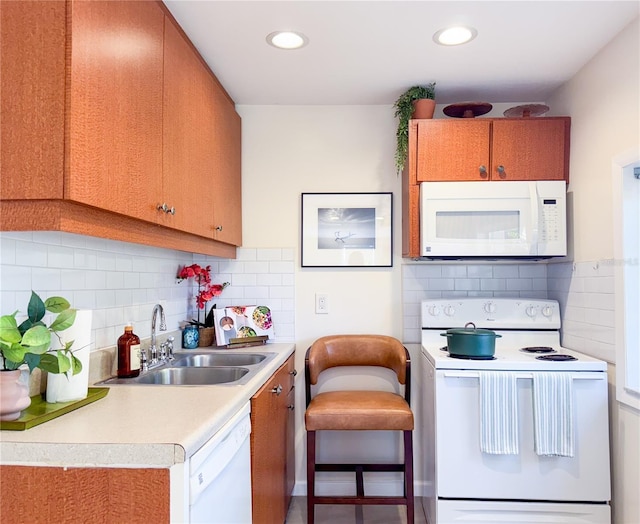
[(202, 368), (192, 376), (218, 359)]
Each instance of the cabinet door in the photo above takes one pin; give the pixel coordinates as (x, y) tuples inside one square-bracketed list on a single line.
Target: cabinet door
[(187, 182), (32, 101), (271, 436), (115, 106), (226, 184), (85, 495), (453, 150), (530, 149)]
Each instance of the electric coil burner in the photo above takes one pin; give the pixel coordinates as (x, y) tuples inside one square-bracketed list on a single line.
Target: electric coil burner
[(538, 349), (557, 358)]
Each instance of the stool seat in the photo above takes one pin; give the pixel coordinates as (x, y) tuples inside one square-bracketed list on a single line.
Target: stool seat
[(358, 410)]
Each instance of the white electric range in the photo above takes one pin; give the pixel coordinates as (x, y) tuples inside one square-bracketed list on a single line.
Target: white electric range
[(467, 484)]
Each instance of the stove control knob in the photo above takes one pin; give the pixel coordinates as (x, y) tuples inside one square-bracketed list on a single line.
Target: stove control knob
[(489, 307), (547, 311), (434, 311), (449, 311), (532, 311)]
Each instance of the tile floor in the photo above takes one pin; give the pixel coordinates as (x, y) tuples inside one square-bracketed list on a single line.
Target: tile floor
[(342, 514)]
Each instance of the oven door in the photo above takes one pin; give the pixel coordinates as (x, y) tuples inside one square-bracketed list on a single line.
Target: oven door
[(463, 471)]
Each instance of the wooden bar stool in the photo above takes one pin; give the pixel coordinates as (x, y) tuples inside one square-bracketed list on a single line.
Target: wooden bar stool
[(358, 410)]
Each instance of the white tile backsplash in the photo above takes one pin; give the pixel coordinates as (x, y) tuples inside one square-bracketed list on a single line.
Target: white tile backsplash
[(121, 282), (422, 281)]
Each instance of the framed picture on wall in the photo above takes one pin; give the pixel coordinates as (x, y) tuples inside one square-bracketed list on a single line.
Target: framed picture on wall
[(347, 230)]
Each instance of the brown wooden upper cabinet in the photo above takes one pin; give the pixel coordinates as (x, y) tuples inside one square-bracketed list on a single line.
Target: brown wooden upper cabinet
[(492, 149), (113, 126)]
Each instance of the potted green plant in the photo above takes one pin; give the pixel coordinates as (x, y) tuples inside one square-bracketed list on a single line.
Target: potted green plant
[(404, 110), (30, 343)]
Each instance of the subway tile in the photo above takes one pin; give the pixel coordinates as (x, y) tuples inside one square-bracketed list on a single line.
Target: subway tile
[(281, 267), (7, 250), (44, 279), (72, 279), (480, 271), (281, 292), (441, 284), (532, 271), (518, 284), (15, 278), (115, 280), (106, 261), (466, 284), (60, 256), (288, 254), (47, 237), (493, 284), (268, 254), (244, 279), (30, 254), (131, 280), (505, 271), (243, 253)]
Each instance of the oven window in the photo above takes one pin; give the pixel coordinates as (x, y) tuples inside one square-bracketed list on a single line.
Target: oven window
[(481, 225)]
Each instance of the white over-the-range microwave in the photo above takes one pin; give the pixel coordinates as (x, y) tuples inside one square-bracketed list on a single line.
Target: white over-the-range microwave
[(519, 219)]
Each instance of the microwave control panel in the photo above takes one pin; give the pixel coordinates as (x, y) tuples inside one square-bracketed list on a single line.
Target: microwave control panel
[(550, 224)]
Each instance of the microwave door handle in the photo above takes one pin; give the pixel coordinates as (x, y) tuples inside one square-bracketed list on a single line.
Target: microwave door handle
[(533, 195)]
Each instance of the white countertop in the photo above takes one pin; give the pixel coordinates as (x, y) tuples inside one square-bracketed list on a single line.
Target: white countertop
[(150, 426)]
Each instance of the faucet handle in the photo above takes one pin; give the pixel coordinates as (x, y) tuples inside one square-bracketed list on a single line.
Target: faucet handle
[(144, 365), (169, 344)]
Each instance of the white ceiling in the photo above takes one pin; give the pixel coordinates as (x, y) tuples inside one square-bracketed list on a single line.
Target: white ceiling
[(369, 52)]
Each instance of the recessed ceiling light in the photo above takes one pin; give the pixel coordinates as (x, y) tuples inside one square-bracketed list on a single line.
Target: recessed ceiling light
[(287, 39), (455, 35)]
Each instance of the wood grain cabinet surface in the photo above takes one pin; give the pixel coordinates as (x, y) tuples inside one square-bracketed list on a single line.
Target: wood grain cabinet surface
[(113, 126), (479, 149), (492, 149), (44, 495), (272, 446)]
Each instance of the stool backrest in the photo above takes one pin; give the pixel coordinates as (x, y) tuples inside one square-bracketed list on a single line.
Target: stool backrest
[(357, 350)]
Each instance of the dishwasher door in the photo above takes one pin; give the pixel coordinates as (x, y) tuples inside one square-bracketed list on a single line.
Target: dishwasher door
[(220, 475)]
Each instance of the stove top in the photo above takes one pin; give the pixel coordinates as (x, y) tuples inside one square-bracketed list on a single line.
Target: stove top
[(529, 329)]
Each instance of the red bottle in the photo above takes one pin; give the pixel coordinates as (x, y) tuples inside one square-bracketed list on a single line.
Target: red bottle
[(128, 353)]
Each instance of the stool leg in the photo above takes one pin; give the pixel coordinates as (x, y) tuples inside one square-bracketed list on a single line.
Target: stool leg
[(408, 474), (311, 476)]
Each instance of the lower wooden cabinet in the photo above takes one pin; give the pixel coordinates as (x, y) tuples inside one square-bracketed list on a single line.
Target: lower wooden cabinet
[(272, 446), (32, 494)]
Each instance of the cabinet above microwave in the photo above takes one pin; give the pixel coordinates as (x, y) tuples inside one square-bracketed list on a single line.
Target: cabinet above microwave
[(480, 149)]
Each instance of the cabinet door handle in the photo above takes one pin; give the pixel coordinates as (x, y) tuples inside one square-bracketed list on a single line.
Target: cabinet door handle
[(294, 372), (218, 228), (291, 407), (164, 207), (277, 390), (501, 171), (483, 171)]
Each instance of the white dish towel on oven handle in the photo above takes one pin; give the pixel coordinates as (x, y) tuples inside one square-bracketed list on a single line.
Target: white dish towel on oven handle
[(553, 414), (498, 413)]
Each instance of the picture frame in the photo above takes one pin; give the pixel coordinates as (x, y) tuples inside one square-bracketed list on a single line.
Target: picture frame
[(347, 230)]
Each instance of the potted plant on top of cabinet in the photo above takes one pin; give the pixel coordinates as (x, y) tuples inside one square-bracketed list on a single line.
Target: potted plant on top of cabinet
[(408, 106)]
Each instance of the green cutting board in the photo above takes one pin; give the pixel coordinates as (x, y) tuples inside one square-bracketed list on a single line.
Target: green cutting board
[(42, 411)]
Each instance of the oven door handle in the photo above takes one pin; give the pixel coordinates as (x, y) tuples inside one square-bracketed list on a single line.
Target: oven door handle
[(578, 375)]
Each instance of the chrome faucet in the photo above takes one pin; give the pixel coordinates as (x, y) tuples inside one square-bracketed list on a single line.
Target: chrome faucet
[(153, 349)]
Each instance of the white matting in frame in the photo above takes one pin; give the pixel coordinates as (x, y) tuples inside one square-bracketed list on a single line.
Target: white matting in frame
[(347, 230)]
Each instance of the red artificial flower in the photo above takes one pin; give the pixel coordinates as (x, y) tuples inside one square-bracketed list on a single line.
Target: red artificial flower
[(206, 290)]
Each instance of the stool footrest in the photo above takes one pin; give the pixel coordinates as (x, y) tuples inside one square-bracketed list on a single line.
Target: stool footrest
[(363, 467), (378, 501)]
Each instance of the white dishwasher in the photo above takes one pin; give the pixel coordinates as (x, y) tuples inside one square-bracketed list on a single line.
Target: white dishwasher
[(220, 475)]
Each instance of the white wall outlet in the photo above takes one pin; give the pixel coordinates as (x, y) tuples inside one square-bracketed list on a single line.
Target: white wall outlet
[(322, 303)]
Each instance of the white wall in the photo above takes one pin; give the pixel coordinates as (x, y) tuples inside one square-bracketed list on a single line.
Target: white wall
[(603, 100), (289, 150)]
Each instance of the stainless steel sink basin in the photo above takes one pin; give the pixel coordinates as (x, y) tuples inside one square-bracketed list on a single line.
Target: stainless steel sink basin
[(211, 367), (192, 376), (218, 359)]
